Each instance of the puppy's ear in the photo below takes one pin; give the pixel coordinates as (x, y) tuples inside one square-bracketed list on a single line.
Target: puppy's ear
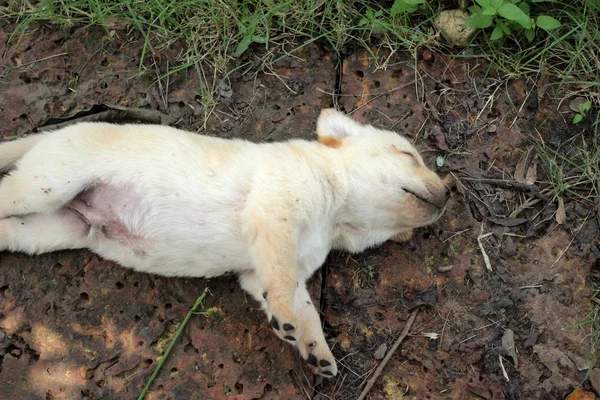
[(333, 127)]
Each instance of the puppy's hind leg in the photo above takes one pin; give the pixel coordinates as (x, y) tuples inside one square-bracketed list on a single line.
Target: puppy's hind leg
[(43, 233), (42, 184)]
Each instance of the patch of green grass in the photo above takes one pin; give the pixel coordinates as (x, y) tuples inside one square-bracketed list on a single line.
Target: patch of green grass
[(216, 33), (569, 54), (574, 167), (371, 271)]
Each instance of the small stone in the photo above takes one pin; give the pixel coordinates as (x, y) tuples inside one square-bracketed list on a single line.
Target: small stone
[(576, 103), (451, 24), (581, 363), (224, 90), (380, 352), (595, 379)]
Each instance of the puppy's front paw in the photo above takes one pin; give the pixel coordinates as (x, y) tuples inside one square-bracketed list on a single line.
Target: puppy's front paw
[(283, 320), (319, 358)]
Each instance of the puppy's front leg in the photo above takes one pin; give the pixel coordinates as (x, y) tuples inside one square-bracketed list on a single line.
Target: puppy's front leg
[(274, 254), (311, 342), (313, 347)]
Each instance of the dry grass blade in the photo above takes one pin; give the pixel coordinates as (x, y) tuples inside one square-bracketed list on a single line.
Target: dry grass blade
[(172, 344), (389, 355), (486, 258)]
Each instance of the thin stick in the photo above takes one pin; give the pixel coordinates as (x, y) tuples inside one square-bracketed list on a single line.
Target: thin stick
[(172, 344), (486, 259), (389, 355), (503, 370), (570, 243)]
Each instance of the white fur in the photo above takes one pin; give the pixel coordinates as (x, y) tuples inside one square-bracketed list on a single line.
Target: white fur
[(174, 203)]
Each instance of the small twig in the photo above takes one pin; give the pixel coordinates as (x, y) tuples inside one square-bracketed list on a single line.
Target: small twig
[(490, 99), (486, 259), (485, 326), (301, 385), (570, 243), (503, 370), (456, 234), (520, 109), (172, 344), (531, 286), (389, 355), (467, 339), (434, 112), (505, 184), (42, 59), (526, 204)]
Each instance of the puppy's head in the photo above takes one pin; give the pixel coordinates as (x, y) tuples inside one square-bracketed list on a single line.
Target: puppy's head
[(390, 186)]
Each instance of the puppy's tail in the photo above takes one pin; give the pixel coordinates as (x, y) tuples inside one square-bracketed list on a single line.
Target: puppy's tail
[(11, 152)]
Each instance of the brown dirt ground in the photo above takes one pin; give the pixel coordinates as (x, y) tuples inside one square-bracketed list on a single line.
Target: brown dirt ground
[(73, 326)]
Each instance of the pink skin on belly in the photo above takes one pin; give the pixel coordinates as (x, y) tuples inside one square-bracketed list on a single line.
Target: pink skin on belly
[(104, 209)]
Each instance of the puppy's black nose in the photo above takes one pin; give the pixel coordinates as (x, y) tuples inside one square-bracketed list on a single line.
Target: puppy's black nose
[(447, 192)]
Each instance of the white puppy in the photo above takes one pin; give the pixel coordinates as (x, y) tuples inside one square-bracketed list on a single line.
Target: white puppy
[(169, 202)]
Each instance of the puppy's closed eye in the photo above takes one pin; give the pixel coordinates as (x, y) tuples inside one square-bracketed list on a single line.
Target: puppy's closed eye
[(411, 156)]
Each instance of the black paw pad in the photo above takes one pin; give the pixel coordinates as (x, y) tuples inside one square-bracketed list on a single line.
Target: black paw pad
[(274, 323), (328, 373), (287, 327), (288, 337), (312, 360), (324, 363)]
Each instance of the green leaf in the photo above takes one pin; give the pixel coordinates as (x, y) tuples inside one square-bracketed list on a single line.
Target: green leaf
[(259, 39), (242, 46), (484, 3), (478, 20), (401, 7), (585, 107), (547, 23), (497, 3), (530, 34), (504, 27), (514, 13), (440, 161), (489, 11), (414, 2), (577, 118), (524, 7), (497, 33)]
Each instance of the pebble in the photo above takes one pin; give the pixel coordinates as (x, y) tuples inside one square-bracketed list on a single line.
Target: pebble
[(380, 352), (595, 379)]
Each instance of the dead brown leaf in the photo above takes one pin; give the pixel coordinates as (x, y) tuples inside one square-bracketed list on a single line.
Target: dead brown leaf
[(561, 215), (531, 175), (576, 103), (580, 394), (520, 169), (526, 172)]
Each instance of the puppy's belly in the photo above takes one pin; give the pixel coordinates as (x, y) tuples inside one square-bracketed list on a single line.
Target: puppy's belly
[(122, 227)]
